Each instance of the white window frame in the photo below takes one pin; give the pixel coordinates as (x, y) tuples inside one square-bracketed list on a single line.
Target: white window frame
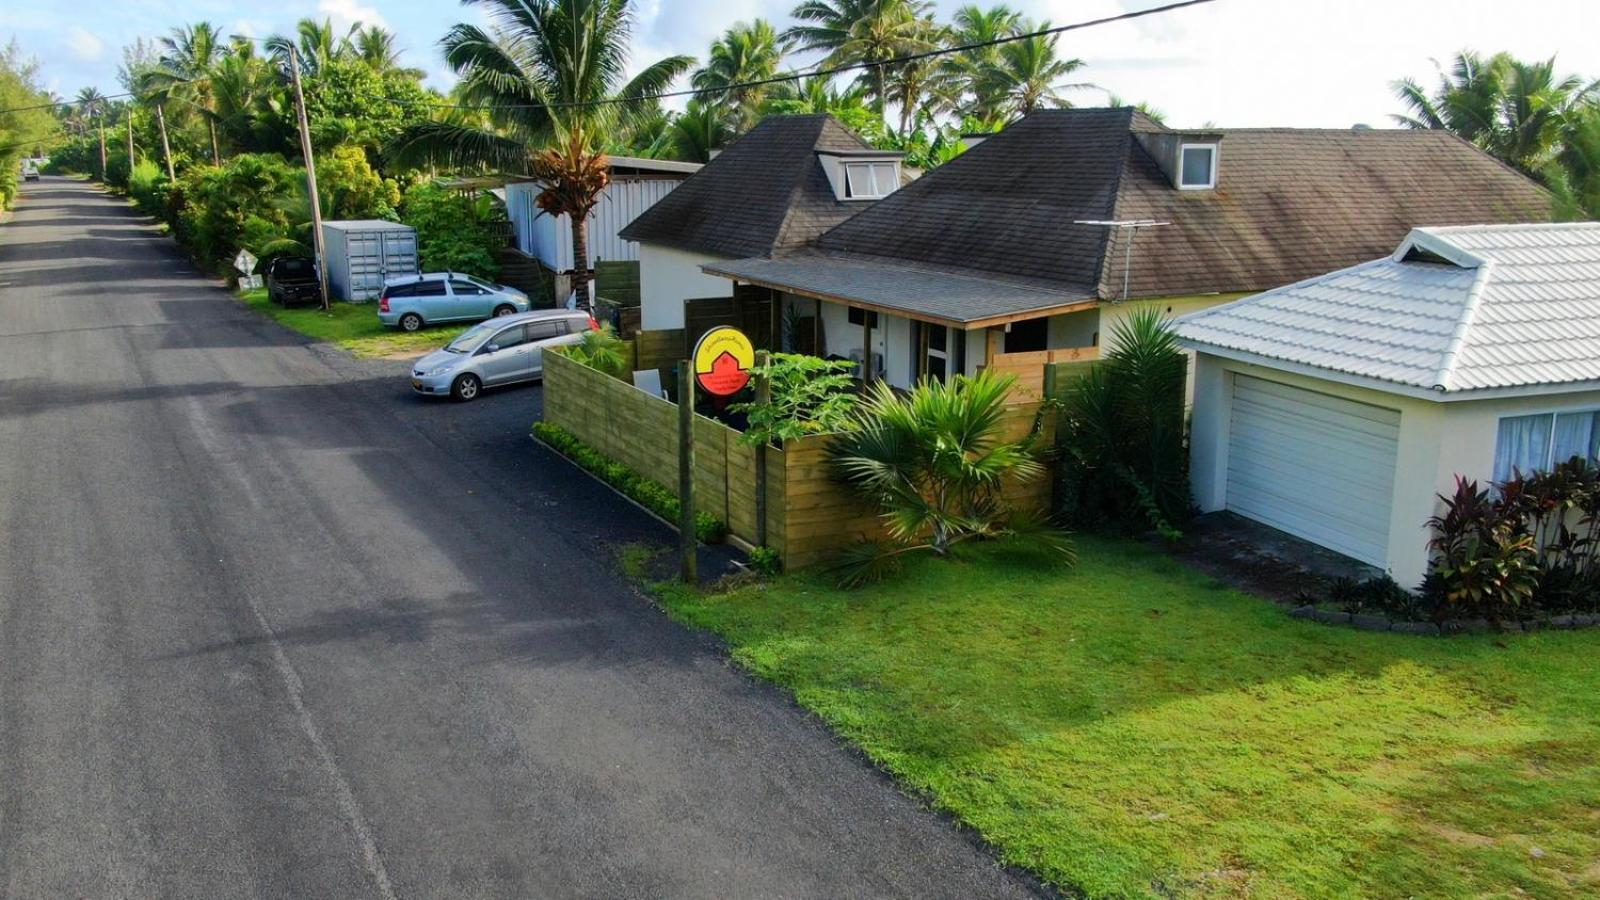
[(871, 177), (1550, 435), (1211, 179)]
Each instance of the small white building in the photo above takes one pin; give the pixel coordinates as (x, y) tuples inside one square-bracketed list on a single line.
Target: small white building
[(636, 185), (1337, 409)]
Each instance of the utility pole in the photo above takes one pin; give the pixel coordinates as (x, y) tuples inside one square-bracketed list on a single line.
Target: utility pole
[(311, 174), (130, 144), (101, 118), (166, 148)]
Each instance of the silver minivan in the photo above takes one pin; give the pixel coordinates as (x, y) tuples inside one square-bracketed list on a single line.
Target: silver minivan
[(412, 301), (500, 351)]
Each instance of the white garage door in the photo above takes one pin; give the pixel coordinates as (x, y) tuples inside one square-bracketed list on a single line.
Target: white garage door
[(1316, 466)]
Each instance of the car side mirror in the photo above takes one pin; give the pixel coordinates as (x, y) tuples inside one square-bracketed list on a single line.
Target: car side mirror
[(492, 348)]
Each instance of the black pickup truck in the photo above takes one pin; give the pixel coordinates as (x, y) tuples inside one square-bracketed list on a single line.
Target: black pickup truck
[(293, 279)]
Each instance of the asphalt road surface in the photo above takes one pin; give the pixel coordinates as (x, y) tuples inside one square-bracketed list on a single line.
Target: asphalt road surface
[(272, 627)]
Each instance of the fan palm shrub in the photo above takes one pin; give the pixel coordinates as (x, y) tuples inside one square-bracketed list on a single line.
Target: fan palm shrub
[(1121, 432), (934, 461)]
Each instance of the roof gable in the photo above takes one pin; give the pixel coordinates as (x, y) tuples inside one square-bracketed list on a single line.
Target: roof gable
[(765, 193)]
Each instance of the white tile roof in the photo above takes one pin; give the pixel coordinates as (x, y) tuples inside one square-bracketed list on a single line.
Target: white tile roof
[(1473, 308)]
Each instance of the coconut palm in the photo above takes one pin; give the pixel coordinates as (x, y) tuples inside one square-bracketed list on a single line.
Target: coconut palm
[(318, 43), (1026, 75), (378, 48), (744, 53), (1511, 109), (815, 95), (87, 106), (551, 110), (252, 112), (189, 57), (862, 31), (703, 127), (975, 25), (923, 88)]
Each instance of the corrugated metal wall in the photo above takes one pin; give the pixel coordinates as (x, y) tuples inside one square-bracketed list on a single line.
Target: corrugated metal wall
[(550, 239)]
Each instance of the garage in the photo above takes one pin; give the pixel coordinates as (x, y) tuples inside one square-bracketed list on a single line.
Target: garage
[(1317, 466)]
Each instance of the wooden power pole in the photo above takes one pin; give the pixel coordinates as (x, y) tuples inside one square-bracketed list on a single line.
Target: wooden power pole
[(166, 148), (311, 174), (102, 120), (130, 144)]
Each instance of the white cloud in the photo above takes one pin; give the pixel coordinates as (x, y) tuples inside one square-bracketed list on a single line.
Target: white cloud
[(84, 45), (345, 13)]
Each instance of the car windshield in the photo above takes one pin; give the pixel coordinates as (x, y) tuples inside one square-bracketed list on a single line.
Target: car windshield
[(479, 282), (474, 337)]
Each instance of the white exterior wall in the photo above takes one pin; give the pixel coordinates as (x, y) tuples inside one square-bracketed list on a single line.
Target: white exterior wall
[(667, 277), (1438, 440), (549, 238)]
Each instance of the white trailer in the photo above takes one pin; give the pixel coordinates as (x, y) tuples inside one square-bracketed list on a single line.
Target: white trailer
[(363, 253)]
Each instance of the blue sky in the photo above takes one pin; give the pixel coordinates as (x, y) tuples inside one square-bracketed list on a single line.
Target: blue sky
[(1303, 63)]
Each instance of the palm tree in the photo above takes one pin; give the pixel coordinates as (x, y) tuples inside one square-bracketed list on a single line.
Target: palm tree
[(1511, 109), (861, 31), (815, 95), (377, 48), (550, 109), (252, 112), (1026, 75), (697, 131), (974, 25), (923, 88), (318, 44), (744, 53), (188, 60)]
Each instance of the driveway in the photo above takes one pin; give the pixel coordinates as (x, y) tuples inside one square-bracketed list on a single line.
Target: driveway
[(269, 626)]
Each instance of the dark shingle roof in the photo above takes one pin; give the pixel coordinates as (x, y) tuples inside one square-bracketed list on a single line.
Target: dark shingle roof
[(1290, 204), (765, 193)]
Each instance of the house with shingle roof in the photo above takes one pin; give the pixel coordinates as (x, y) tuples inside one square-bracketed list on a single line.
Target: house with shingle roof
[(773, 191), (1338, 407), (1033, 243)]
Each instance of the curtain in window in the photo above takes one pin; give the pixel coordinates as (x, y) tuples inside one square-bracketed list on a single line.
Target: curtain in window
[(1523, 445), (1574, 436)]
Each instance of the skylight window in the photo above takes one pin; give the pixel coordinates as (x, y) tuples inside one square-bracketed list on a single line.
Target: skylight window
[(1197, 167)]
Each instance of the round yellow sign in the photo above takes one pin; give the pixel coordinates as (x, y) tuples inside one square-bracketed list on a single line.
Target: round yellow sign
[(722, 360)]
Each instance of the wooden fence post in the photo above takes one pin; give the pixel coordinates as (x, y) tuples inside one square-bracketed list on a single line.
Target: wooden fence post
[(686, 538), (763, 397)]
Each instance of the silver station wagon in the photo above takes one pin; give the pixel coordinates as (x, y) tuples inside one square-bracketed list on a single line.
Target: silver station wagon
[(500, 351), (412, 301)]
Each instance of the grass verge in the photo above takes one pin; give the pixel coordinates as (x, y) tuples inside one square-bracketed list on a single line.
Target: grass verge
[(354, 327), (1134, 728)]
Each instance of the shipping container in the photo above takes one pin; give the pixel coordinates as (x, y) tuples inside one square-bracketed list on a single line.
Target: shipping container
[(549, 238), (362, 254)]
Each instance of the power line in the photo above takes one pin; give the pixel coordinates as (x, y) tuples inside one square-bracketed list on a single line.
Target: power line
[(778, 79), (815, 73)]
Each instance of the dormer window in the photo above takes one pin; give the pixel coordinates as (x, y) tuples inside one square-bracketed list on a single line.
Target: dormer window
[(1197, 167), (870, 180)]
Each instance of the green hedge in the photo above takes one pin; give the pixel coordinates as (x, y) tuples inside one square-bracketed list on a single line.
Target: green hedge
[(707, 528)]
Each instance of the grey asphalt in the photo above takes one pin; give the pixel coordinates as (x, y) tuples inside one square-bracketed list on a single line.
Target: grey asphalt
[(272, 627)]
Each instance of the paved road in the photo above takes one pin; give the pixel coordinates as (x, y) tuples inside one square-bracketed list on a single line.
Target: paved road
[(271, 627)]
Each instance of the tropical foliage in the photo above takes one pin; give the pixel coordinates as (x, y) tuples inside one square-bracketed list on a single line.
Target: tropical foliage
[(25, 129), (1121, 432), (1528, 114), (935, 461), (453, 232), (806, 395)]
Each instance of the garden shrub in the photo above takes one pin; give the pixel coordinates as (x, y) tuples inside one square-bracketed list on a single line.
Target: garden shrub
[(765, 561), (601, 350), (808, 396), (452, 230), (1121, 432), (652, 496), (1529, 545)]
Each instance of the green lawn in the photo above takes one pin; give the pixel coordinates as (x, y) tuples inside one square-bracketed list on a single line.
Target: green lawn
[(354, 327), (1132, 728)]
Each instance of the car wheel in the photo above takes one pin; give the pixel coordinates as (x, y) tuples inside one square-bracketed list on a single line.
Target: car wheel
[(410, 322), (465, 388), (505, 310)]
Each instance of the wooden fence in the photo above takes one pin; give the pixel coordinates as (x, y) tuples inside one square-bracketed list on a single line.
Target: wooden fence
[(1030, 368), (810, 516)]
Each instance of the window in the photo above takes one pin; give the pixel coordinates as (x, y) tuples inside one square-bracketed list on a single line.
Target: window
[(466, 288), (401, 290), (1197, 164), (511, 337), (858, 315), (865, 181), (541, 331), (1534, 443), (428, 289)]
